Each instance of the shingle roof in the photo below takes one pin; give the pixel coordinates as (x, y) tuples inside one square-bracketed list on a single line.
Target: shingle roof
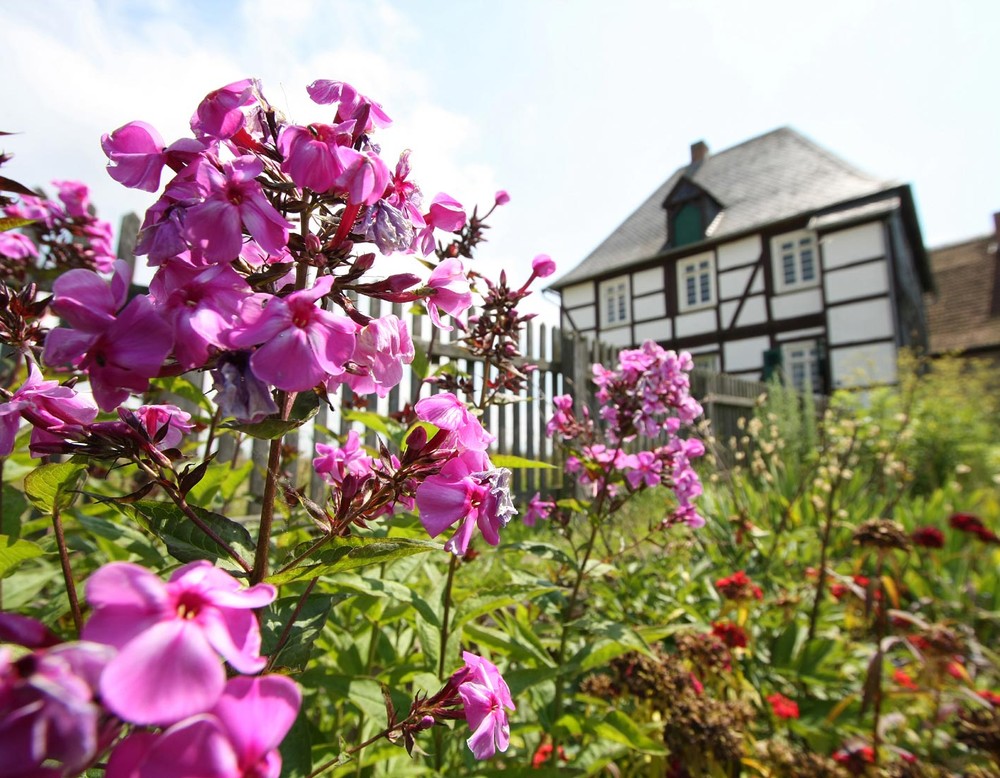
[(775, 176), (959, 316)]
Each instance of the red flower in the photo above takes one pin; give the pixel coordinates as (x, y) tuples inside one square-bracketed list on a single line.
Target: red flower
[(783, 707), (544, 753), (738, 586), (928, 537), (993, 698), (903, 679), (854, 758), (966, 522), (731, 634)]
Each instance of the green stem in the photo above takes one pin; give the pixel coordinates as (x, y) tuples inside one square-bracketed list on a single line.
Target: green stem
[(287, 631), (259, 572), (446, 617), (67, 571), (354, 749)]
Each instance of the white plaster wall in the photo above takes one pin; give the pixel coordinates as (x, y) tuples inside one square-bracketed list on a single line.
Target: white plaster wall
[(653, 306), (856, 281), (695, 323), (585, 318), (579, 294), (569, 327), (620, 336), (863, 365), (785, 306), (860, 321), (647, 280), (747, 354), (852, 245), (732, 283), (793, 335), (754, 311), (739, 252), (653, 330)]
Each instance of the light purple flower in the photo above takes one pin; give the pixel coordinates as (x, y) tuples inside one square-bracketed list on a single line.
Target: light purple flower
[(448, 291), (240, 393), (303, 345), (238, 738), (47, 709), (235, 200), (169, 637), (486, 695)]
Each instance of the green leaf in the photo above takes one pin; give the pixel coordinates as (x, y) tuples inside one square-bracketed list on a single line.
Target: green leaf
[(619, 728), (184, 540), (379, 587), (53, 486), (14, 506), (542, 550), (421, 365), (374, 421), (296, 749), (596, 653), (14, 552), (10, 222), (308, 624), (518, 463), (185, 389), (489, 601), (306, 406), (351, 553), (220, 479)]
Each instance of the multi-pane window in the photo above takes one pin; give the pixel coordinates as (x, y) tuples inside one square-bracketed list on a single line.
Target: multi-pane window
[(795, 261), (614, 302), (800, 361), (696, 282)]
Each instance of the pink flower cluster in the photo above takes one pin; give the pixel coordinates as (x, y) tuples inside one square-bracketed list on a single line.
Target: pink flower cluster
[(647, 394), (151, 656)]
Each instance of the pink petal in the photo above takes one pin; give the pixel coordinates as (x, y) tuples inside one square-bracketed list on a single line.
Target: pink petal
[(287, 361), (442, 502), (196, 748), (235, 635), (167, 673), (127, 599), (247, 702)]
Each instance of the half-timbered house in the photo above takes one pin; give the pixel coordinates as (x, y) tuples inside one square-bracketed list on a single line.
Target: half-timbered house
[(771, 255)]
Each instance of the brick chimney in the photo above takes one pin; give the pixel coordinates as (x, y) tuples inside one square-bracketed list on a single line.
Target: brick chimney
[(699, 152)]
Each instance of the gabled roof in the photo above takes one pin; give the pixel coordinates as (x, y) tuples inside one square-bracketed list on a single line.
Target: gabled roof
[(767, 179), (963, 315)]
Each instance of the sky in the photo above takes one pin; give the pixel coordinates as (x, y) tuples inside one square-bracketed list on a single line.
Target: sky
[(578, 109)]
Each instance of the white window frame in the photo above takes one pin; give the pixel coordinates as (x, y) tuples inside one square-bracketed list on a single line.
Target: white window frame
[(708, 360), (802, 354), (701, 269), (801, 263), (615, 302)]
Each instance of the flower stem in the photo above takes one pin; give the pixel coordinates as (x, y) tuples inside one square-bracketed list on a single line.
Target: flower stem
[(259, 572), (67, 571), (287, 631), (446, 616)]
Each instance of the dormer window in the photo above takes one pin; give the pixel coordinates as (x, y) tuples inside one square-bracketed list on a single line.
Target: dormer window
[(690, 209)]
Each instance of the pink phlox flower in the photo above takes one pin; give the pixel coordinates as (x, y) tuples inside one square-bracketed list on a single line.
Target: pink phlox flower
[(169, 637), (446, 214), (563, 418), (352, 104), (136, 155), (335, 463), (49, 407), (48, 711), (75, 196), (25, 631), (238, 738), (383, 348), (448, 290), (403, 193), (364, 177), (235, 200), (463, 493), (445, 411), (486, 698), (155, 417), (543, 266), (37, 209), (311, 153), (200, 304), (86, 301), (538, 509), (501, 197), (14, 245), (303, 345), (220, 114), (642, 468)]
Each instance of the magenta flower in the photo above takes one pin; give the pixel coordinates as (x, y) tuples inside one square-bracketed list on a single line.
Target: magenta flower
[(335, 463), (235, 200), (169, 637), (220, 114), (485, 695), (501, 197), (238, 738), (76, 198), (448, 291), (364, 178), (543, 266), (137, 155), (303, 345), (383, 347), (538, 509), (49, 407), (311, 157), (48, 712), (200, 304), (445, 411), (14, 245), (446, 214), (155, 417), (353, 105)]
